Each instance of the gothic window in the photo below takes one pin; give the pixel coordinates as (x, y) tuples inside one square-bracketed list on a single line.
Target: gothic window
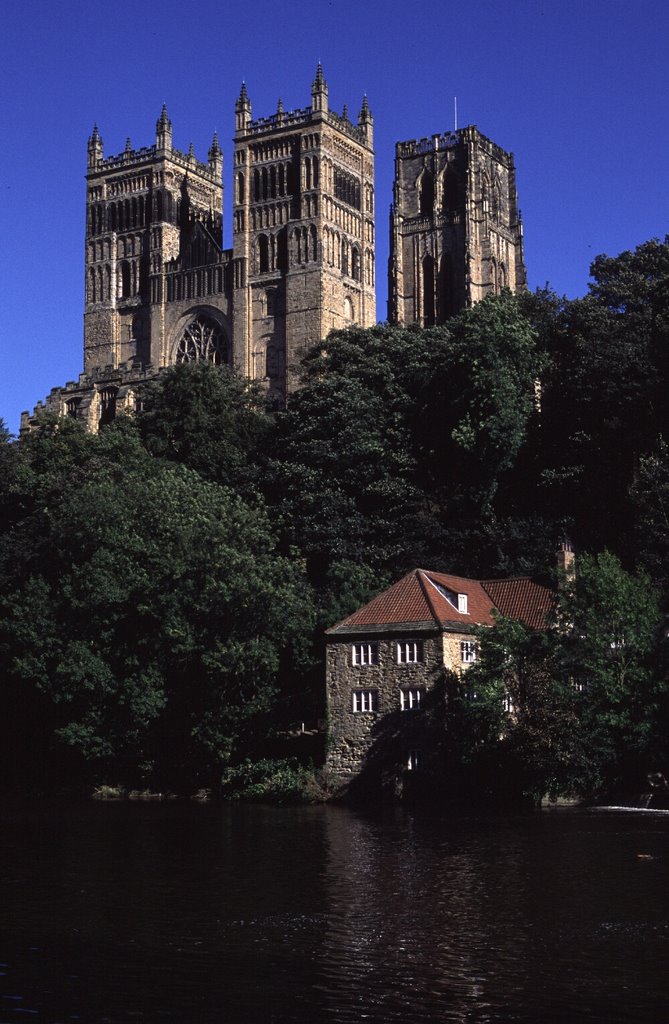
[(344, 257), (450, 191), (307, 173), (315, 166), (107, 405), (202, 341), (71, 407), (428, 292), (124, 280), (240, 188), (314, 243), (272, 182), (425, 193), (282, 180), (355, 264), (501, 280), (263, 254), (446, 307), (265, 188), (256, 184), (272, 366)]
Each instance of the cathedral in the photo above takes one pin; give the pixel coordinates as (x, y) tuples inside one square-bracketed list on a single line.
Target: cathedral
[(161, 289)]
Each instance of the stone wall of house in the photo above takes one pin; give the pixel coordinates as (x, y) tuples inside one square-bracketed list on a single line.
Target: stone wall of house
[(355, 737)]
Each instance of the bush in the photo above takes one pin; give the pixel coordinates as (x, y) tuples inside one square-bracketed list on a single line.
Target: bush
[(279, 781)]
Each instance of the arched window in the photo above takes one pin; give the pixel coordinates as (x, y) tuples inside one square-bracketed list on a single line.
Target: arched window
[(124, 280), (240, 188), (307, 173), (256, 184), (355, 264), (314, 243), (264, 183), (315, 166), (425, 193), (91, 286), (349, 311), (202, 341), (282, 180), (428, 291), (263, 254), (272, 182), (344, 257), (446, 307), (107, 405), (450, 190)]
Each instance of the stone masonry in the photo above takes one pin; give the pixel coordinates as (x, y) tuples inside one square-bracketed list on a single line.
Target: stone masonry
[(160, 288)]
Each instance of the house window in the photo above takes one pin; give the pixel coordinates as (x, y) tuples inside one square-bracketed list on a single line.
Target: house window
[(462, 604), (468, 651), (409, 652), (365, 654), (410, 699), (413, 760), (365, 700)]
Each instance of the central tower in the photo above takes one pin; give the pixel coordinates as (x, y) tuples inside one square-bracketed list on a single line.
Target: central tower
[(303, 232)]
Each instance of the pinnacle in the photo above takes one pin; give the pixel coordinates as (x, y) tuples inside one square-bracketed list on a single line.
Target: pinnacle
[(319, 80)]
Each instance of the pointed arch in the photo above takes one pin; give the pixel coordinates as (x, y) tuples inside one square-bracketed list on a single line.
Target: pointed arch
[(425, 186)]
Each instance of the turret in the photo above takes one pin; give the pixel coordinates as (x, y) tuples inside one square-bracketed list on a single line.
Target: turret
[(319, 92), (242, 110), (216, 158), (95, 152), (366, 121), (164, 131)]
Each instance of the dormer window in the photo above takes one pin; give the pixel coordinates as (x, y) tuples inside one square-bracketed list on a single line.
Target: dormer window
[(458, 601)]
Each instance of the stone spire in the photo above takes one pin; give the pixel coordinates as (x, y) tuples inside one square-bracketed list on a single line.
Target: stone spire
[(215, 156), (366, 121), (319, 91), (95, 152), (163, 130), (279, 111), (242, 110)]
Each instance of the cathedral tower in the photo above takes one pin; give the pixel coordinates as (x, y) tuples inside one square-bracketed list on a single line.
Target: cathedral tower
[(153, 254), (303, 232), (455, 230)]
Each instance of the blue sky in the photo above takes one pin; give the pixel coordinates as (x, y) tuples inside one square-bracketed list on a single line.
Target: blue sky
[(577, 90)]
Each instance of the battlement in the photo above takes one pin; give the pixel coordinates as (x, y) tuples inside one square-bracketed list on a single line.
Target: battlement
[(304, 115), (447, 140), (147, 154)]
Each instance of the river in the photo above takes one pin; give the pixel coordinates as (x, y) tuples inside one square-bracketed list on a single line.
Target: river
[(250, 915)]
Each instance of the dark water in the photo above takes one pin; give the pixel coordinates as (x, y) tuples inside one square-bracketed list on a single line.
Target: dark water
[(130, 912)]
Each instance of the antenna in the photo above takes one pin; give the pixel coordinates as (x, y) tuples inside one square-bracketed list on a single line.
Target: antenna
[(455, 112)]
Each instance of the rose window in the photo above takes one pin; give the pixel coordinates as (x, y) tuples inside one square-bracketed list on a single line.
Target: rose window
[(201, 341)]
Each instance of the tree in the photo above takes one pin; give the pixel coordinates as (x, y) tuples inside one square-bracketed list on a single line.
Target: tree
[(210, 419), (610, 640), (147, 609)]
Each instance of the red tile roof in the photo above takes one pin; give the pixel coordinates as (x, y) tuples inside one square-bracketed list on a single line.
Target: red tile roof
[(422, 598)]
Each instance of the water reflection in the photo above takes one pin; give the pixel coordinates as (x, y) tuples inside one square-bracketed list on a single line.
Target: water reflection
[(248, 914)]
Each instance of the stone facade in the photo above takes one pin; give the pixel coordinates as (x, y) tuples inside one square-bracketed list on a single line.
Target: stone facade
[(455, 229), (391, 665), (160, 288), (394, 731)]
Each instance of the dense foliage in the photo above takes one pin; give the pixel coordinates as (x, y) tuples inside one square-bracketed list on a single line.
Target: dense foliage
[(165, 585)]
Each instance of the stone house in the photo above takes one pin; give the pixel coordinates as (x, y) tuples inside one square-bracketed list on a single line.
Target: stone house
[(388, 663)]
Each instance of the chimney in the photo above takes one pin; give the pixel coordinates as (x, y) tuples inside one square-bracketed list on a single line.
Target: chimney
[(566, 562)]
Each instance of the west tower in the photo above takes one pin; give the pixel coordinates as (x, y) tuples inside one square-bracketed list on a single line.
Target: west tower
[(154, 259), (455, 229), (303, 231)]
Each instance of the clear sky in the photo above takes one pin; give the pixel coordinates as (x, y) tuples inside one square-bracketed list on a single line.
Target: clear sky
[(577, 89)]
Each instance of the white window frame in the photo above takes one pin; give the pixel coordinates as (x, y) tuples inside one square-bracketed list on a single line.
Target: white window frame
[(365, 701), (462, 604), (411, 698), (409, 652), (468, 652), (364, 654)]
